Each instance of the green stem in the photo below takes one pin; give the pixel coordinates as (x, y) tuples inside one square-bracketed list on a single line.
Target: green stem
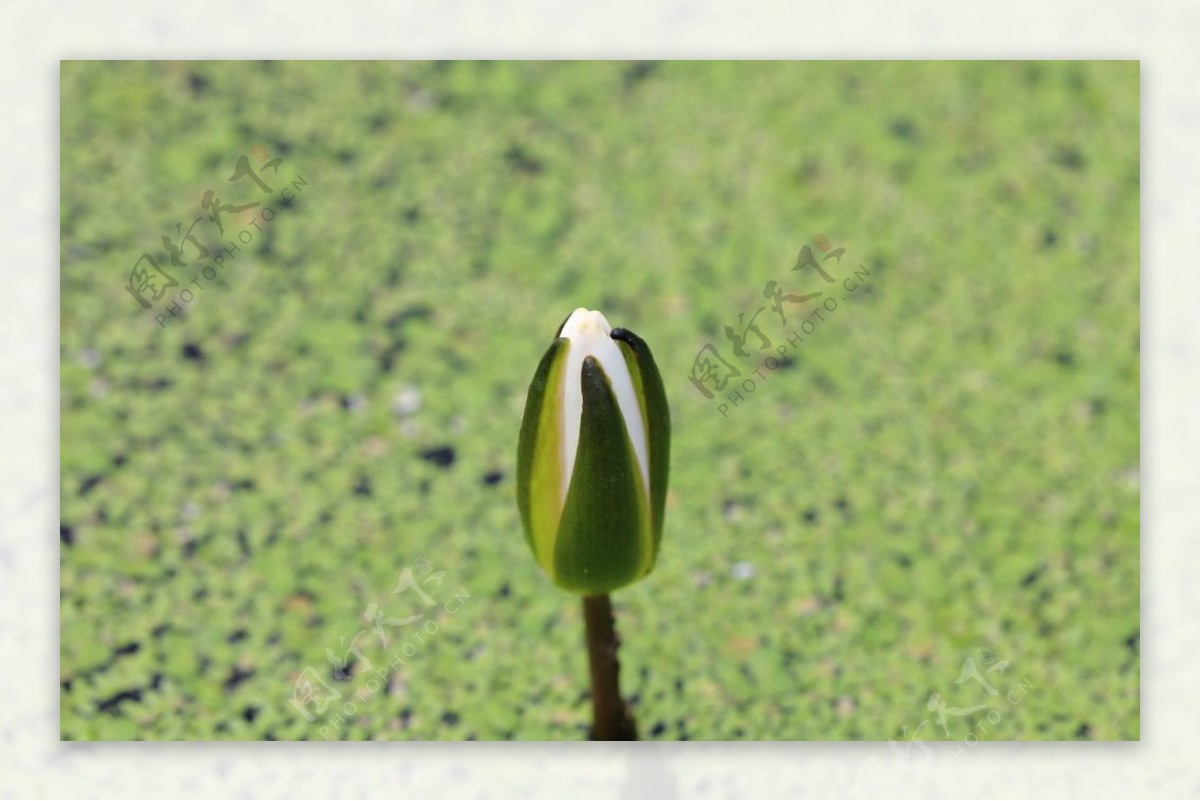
[(611, 717)]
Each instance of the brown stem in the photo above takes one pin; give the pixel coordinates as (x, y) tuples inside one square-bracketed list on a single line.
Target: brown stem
[(612, 719)]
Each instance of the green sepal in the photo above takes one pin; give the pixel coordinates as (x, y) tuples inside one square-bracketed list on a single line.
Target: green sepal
[(603, 537), (539, 459), (656, 416)]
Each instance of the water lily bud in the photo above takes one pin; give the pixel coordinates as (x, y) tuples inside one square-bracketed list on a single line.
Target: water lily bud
[(593, 457)]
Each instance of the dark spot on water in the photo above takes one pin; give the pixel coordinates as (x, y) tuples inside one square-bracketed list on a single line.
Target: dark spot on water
[(839, 588), (243, 543), (127, 648), (418, 312), (1032, 576), (450, 718), (354, 402), (236, 636), (362, 486), (810, 515), (504, 591), (387, 359), (1065, 358), (119, 460), (66, 535), (236, 677), (903, 129), (1084, 732), (1133, 641), (113, 703), (904, 560), (89, 484), (344, 671), (808, 171), (197, 84), (492, 478), (160, 630), (520, 159), (658, 729), (1049, 238), (249, 714), (639, 71), (442, 456), (1069, 157), (192, 352)]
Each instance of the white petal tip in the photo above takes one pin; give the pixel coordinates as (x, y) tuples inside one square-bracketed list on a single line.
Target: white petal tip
[(590, 335), (584, 324)]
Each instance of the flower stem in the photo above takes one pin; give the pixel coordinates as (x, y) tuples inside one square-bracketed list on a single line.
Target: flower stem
[(611, 718)]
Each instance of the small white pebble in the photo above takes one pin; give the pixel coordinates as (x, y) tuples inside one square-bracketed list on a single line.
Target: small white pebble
[(743, 571), (406, 402), (90, 358)]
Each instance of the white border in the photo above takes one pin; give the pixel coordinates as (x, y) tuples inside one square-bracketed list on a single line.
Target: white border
[(1162, 35)]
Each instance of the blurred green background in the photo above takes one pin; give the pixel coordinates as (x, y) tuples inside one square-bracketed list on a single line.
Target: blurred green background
[(922, 523)]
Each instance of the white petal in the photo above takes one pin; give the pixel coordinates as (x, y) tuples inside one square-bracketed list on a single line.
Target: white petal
[(591, 335)]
